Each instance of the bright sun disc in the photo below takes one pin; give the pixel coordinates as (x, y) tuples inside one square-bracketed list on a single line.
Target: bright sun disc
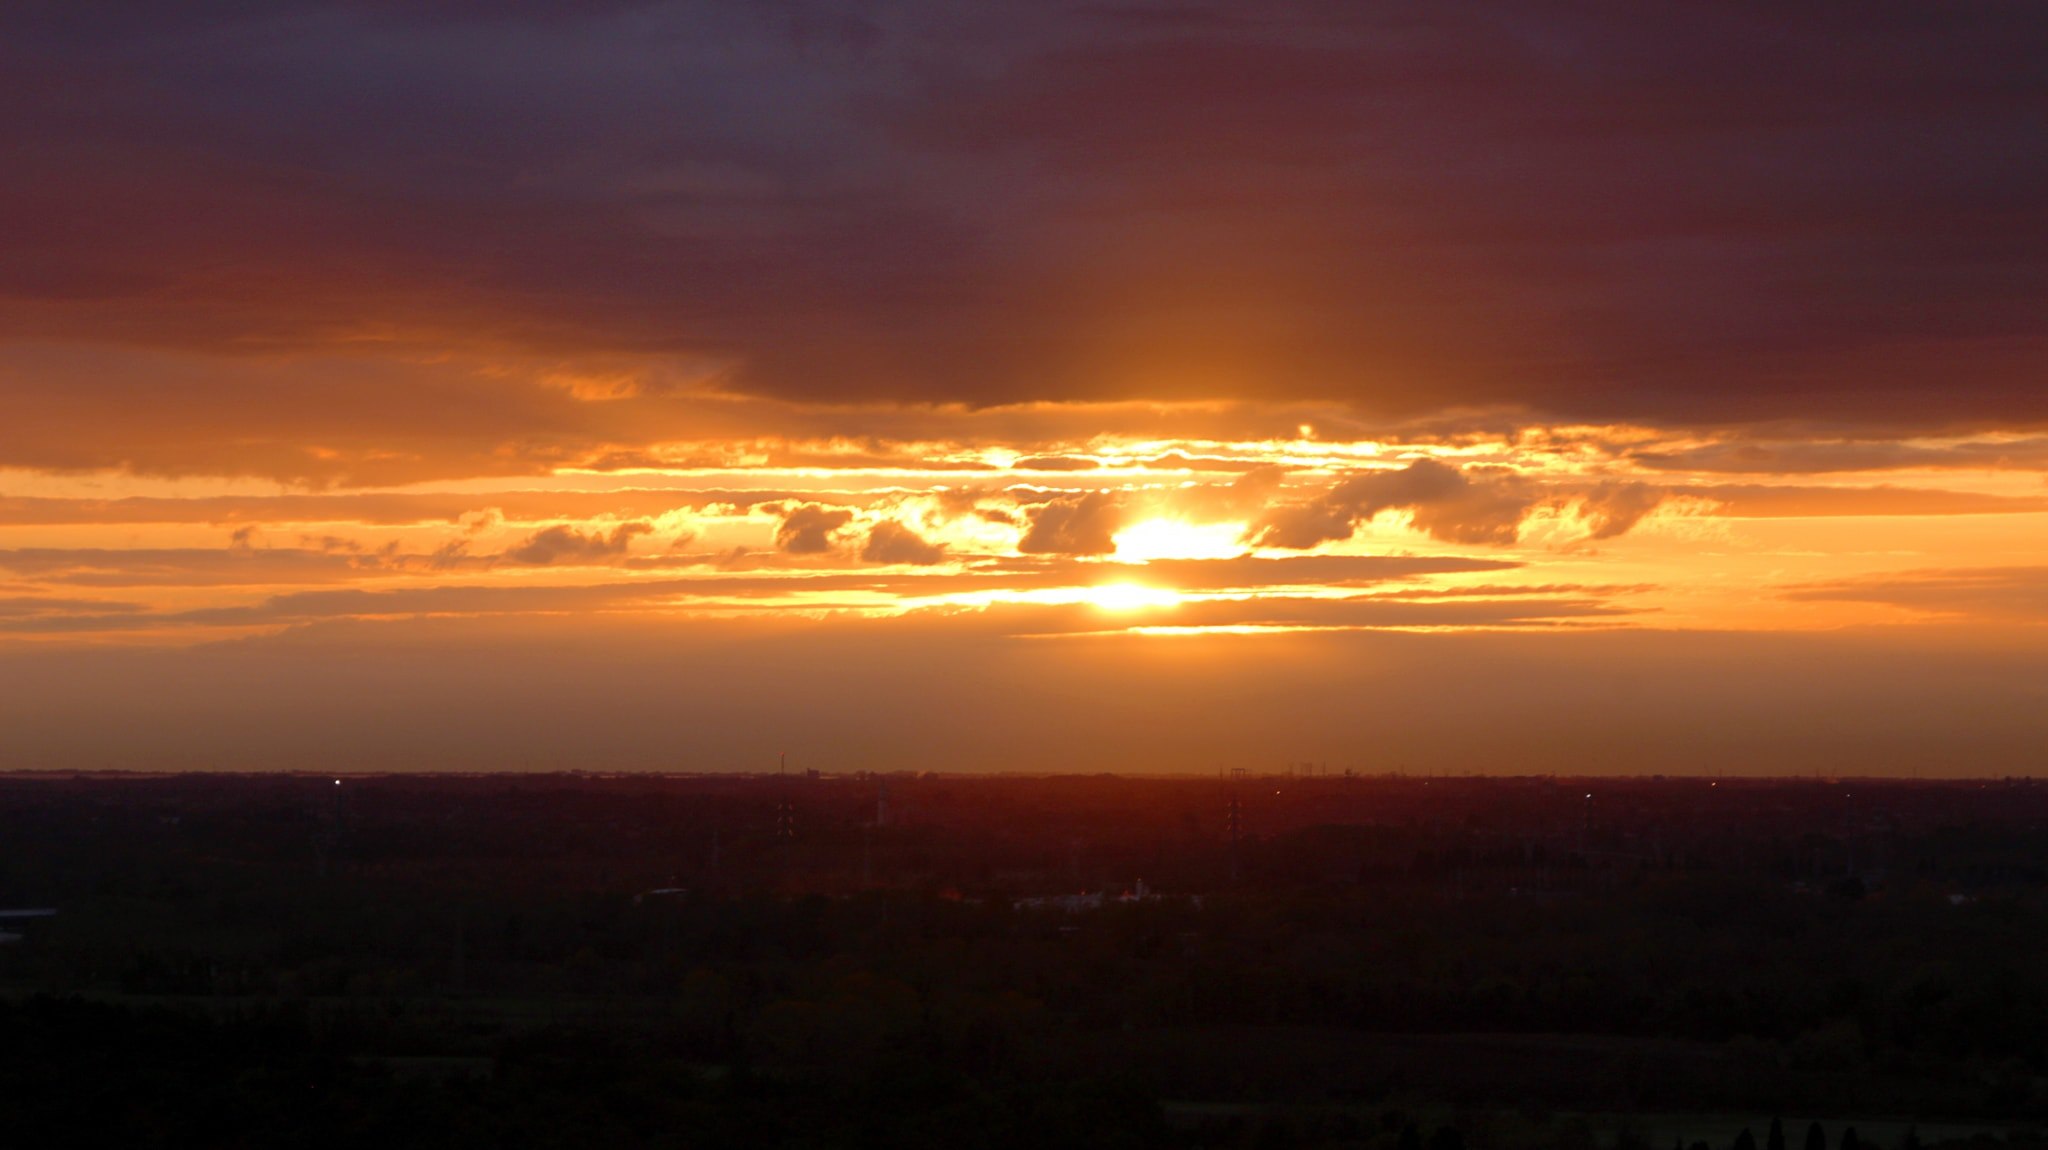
[(1129, 597)]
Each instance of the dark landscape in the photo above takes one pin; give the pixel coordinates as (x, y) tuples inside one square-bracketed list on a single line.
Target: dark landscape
[(1290, 959)]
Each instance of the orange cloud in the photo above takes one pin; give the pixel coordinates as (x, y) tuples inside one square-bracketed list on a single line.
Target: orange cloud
[(891, 542)]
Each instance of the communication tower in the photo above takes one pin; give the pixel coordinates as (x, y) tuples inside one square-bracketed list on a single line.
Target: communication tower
[(1234, 821)]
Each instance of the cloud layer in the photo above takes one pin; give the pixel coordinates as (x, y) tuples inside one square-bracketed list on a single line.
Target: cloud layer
[(1687, 215)]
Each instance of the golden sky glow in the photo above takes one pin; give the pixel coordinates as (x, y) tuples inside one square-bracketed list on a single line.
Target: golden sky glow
[(1613, 527), (1109, 386), (1638, 596)]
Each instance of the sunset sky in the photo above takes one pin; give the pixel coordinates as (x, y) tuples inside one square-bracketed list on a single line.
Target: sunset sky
[(1508, 388)]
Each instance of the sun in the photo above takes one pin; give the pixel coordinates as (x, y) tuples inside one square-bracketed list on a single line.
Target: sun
[(1129, 597), (1179, 539)]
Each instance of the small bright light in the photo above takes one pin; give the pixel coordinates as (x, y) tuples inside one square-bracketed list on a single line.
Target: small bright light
[(1130, 597), (1175, 539)]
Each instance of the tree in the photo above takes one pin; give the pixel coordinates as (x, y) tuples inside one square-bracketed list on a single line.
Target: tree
[(1816, 1138), (1849, 1140), (1745, 1140), (1775, 1140)]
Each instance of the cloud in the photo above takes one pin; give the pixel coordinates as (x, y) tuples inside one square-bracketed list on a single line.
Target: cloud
[(1772, 501), (39, 606), (1361, 611), (1473, 505), (808, 529), (1056, 463), (1813, 457), (185, 567), (564, 544), (1611, 509), (772, 584), (473, 512), (763, 594), (1444, 501), (892, 542), (2012, 594), (380, 413), (1178, 460), (1838, 218), (1253, 572), (1074, 525)]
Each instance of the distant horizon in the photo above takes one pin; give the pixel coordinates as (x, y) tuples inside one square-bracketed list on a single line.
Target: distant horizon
[(908, 774)]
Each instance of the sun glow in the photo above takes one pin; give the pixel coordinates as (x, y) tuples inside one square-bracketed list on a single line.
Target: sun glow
[(1129, 597), (1178, 539)]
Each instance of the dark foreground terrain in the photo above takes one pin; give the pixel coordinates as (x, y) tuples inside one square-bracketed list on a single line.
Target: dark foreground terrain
[(1288, 960)]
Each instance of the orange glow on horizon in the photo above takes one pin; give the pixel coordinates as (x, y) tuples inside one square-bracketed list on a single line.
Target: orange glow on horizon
[(1130, 597), (1570, 521)]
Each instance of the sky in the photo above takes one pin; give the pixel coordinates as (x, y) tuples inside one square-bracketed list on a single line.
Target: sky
[(1534, 387)]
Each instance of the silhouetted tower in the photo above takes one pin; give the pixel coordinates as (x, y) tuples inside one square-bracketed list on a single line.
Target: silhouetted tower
[(785, 811), (882, 804), (785, 837), (1234, 820), (785, 815)]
